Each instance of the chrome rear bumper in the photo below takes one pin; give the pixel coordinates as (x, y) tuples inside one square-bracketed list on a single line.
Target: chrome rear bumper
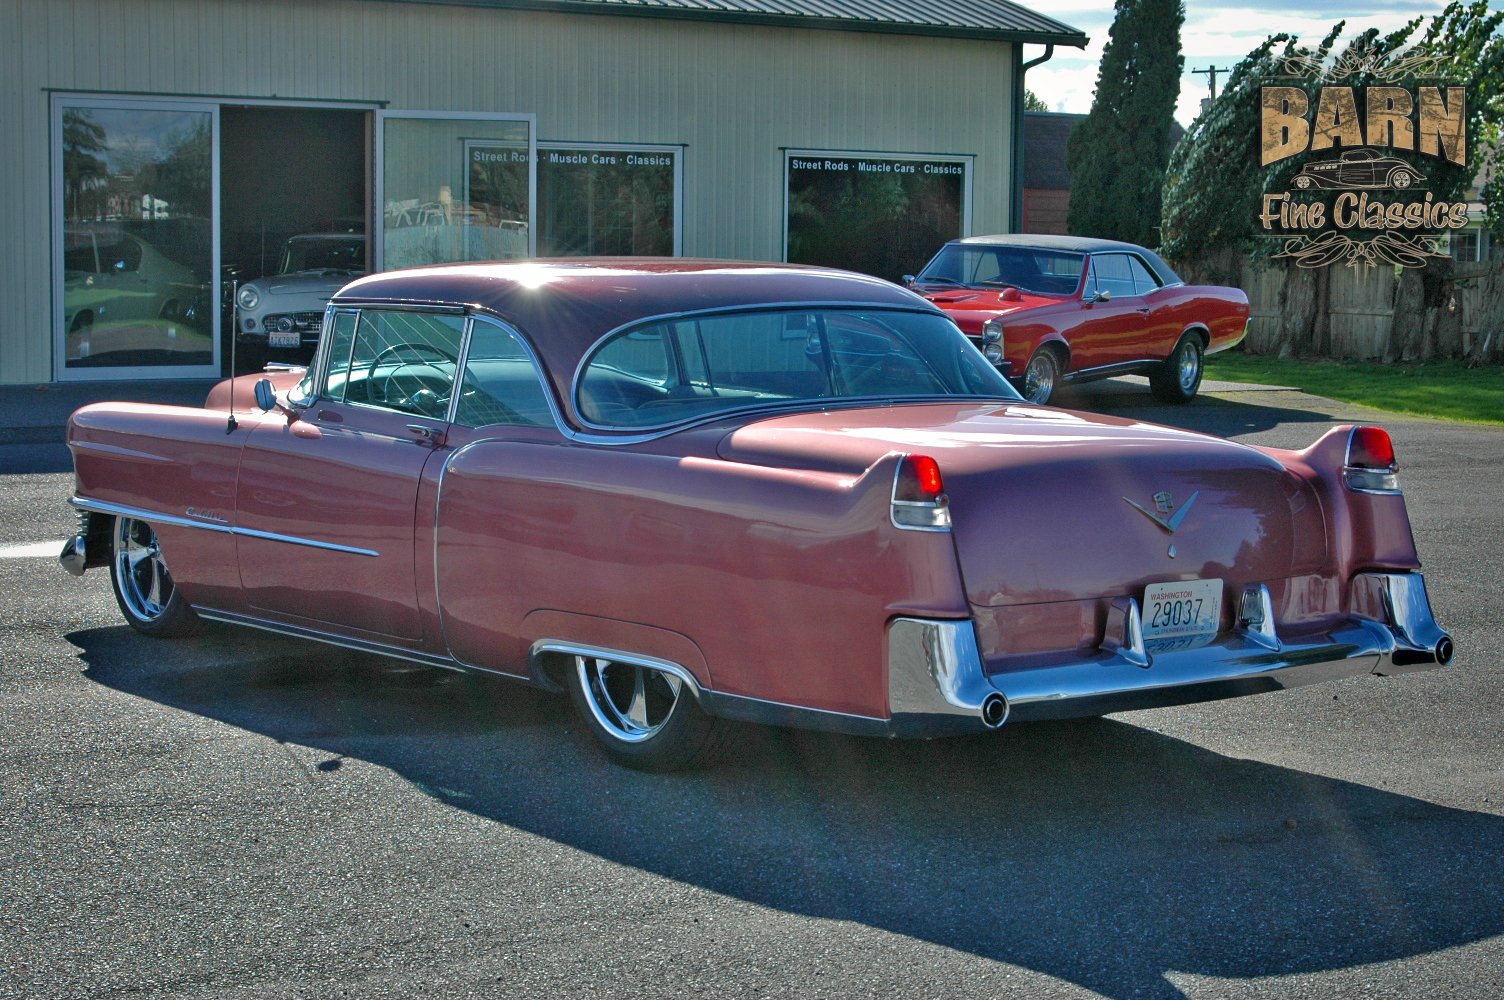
[(938, 682)]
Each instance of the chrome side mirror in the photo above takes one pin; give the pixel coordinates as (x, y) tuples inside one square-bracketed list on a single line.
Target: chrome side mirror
[(266, 395), (1102, 296), (908, 281)]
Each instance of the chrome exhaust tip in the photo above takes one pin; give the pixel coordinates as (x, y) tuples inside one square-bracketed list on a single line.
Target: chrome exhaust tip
[(74, 557), (994, 711), (1444, 650)]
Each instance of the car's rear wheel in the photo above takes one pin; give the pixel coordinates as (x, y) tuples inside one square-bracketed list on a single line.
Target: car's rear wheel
[(643, 716), (144, 589), (1178, 379), (1401, 178), (1041, 376)]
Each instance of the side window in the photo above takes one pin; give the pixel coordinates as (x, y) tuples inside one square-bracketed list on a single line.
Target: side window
[(1143, 281), (399, 360), (341, 339), (1113, 274), (502, 386)]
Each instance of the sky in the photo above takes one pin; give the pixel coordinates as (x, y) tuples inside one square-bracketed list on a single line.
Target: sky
[(1214, 34)]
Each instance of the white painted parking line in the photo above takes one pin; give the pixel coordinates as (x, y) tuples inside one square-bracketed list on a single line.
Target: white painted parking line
[(33, 550)]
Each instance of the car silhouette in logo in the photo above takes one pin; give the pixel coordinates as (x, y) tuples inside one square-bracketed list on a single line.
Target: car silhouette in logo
[(1358, 168)]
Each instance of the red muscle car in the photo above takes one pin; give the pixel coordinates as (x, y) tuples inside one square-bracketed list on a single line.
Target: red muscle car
[(691, 491), (1055, 310)]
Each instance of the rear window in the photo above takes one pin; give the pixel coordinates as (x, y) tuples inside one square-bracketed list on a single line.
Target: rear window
[(671, 371)]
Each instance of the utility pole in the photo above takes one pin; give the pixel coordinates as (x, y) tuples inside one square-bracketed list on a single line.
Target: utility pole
[(1211, 74)]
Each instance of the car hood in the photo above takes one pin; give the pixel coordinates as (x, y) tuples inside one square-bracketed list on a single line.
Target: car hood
[(307, 282), (999, 301), (1052, 505)]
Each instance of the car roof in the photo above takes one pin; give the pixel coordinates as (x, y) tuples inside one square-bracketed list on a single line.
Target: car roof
[(564, 306), (1076, 244)]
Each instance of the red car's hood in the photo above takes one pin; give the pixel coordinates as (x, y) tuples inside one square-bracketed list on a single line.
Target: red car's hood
[(999, 301), (1043, 500)]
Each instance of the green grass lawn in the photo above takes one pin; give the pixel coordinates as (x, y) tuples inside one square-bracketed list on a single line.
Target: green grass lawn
[(1445, 389)]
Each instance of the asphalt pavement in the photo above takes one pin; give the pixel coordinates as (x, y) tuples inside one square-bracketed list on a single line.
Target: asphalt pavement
[(242, 815)]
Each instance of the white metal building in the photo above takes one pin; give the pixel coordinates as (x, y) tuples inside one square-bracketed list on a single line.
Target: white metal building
[(156, 150)]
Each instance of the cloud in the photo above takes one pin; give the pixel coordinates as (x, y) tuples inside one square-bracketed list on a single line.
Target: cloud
[(1214, 34)]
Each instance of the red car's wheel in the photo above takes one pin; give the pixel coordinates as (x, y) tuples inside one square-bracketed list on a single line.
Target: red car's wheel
[(148, 598), (1041, 376), (1179, 377), (644, 717)]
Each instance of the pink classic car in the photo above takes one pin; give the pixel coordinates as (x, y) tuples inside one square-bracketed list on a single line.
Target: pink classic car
[(1058, 310), (690, 491)]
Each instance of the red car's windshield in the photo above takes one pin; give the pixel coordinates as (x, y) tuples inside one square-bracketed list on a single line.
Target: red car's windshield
[(1029, 269)]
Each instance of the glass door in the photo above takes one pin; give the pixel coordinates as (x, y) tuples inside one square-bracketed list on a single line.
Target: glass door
[(453, 187), (135, 239)]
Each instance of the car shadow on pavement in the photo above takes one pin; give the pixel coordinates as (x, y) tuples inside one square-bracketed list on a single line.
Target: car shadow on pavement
[(1101, 853)]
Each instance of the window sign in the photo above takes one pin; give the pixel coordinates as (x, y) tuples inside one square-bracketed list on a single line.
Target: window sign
[(134, 238), (608, 200), (880, 214)]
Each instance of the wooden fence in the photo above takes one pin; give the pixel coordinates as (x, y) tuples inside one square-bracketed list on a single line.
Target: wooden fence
[(1368, 313)]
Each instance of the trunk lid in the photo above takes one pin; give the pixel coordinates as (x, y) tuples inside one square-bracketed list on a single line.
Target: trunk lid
[(1052, 505)]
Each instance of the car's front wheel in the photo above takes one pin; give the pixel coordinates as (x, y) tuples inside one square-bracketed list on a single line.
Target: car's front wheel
[(644, 717), (1178, 379), (1041, 376), (148, 598)]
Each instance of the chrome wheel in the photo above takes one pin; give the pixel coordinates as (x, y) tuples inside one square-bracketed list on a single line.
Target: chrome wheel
[(1188, 369), (632, 703), (1040, 376), (141, 579)]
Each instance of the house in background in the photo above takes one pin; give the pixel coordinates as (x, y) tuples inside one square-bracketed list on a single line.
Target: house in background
[(1047, 178)]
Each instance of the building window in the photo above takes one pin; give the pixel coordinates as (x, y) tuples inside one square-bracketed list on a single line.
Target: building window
[(134, 238), (881, 214), (608, 200), (454, 187), (1465, 246)]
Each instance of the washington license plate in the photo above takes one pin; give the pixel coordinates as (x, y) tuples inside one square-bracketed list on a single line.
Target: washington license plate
[(1183, 608), (284, 338)]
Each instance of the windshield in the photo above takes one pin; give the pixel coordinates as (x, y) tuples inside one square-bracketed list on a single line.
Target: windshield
[(667, 372), (336, 253), (1029, 269)]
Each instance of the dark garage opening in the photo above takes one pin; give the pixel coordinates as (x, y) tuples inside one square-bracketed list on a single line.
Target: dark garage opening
[(284, 172)]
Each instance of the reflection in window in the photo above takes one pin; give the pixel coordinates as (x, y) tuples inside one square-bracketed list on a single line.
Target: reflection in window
[(676, 370), (400, 360), (501, 383), (137, 186), (455, 189), (606, 201), (874, 214)]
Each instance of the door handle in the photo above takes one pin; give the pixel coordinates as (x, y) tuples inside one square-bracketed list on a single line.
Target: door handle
[(1143, 309), (428, 435)]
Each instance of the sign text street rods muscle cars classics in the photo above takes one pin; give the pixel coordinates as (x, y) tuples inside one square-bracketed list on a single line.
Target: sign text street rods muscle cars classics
[(691, 491)]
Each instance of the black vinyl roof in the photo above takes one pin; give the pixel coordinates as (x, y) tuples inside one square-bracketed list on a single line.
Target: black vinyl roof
[(991, 20), (1079, 244)]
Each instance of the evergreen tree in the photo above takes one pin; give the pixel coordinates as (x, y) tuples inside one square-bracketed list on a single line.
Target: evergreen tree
[(1117, 154)]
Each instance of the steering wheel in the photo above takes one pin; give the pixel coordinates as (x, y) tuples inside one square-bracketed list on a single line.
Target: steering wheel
[(421, 398)]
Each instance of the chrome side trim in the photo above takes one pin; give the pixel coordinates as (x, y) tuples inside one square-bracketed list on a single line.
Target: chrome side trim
[(936, 682), (332, 639), (154, 517)]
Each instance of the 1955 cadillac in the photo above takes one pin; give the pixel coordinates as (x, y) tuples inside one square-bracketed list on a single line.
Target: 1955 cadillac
[(689, 491)]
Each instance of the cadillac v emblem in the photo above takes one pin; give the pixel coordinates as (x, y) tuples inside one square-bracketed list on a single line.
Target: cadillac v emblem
[(1165, 503)]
